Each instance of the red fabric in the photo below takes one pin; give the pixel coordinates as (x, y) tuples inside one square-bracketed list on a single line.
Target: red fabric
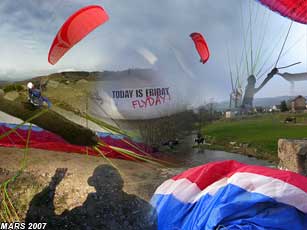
[(77, 26), (215, 171), (294, 9), (49, 141), (201, 46)]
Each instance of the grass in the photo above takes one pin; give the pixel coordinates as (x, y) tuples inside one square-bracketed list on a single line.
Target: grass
[(259, 132)]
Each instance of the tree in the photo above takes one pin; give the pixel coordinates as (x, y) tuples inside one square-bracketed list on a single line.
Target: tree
[(251, 88), (283, 106)]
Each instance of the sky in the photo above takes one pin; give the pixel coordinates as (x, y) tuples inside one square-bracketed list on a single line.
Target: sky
[(161, 27)]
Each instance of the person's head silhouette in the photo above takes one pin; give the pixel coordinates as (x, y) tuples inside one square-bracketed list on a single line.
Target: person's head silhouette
[(105, 179)]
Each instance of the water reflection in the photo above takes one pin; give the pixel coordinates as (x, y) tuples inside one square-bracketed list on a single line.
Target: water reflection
[(187, 156)]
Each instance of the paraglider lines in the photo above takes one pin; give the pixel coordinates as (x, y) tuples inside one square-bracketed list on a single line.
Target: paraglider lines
[(284, 54), (283, 45), (21, 124), (8, 212)]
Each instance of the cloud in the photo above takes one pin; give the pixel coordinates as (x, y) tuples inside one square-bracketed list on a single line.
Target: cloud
[(148, 55), (28, 27)]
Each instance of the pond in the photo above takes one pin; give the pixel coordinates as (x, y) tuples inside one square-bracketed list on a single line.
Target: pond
[(187, 156)]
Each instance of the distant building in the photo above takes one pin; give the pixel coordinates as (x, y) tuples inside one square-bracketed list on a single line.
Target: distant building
[(229, 114), (298, 104), (275, 108)]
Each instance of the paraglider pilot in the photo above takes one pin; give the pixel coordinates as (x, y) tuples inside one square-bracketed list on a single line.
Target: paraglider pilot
[(35, 97)]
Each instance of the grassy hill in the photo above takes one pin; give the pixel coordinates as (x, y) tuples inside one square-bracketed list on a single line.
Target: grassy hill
[(258, 135)]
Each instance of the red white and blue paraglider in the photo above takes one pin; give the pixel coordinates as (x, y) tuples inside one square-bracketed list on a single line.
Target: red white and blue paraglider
[(230, 195)]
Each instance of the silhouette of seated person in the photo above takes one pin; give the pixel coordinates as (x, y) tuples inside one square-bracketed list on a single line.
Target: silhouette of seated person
[(199, 139), (107, 208)]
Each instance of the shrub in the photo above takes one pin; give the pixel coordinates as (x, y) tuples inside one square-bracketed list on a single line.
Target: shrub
[(13, 87)]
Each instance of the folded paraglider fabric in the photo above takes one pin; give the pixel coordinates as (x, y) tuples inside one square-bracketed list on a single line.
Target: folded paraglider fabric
[(230, 195), (42, 139)]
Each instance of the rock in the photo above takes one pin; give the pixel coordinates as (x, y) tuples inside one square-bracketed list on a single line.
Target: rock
[(1, 92), (232, 143), (81, 81), (52, 84), (293, 155), (11, 96)]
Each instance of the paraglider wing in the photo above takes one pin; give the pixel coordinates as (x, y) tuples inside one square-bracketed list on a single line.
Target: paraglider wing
[(232, 195), (76, 27), (292, 9), (201, 47)]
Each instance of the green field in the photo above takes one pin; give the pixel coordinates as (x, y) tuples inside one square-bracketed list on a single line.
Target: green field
[(259, 132)]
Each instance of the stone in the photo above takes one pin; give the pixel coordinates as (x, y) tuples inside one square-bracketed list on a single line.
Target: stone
[(293, 155), (11, 96), (52, 84), (81, 81)]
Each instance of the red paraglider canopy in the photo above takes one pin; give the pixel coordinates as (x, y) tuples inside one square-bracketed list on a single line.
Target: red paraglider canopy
[(76, 27), (294, 9), (201, 47)]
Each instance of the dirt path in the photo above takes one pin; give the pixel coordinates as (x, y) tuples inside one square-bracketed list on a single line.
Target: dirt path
[(140, 179)]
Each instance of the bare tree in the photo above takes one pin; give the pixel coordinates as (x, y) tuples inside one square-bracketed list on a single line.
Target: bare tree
[(251, 88)]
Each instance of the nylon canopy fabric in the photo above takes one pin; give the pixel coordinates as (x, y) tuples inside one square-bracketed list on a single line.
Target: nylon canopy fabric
[(76, 27), (201, 47), (42, 139), (295, 10), (229, 195)]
